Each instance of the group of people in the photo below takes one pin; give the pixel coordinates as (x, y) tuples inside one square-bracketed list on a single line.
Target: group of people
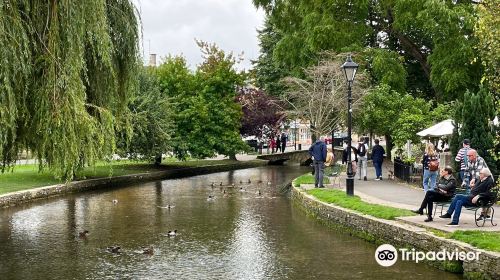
[(323, 156), (359, 158), (278, 144), (475, 177)]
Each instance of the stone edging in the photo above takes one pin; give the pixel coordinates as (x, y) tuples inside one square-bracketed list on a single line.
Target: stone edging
[(400, 235), (16, 198)]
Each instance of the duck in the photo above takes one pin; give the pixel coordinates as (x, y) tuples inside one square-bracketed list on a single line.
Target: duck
[(232, 185), (220, 184), (259, 193), (83, 234), (148, 250), (172, 233), (242, 189), (213, 184), (241, 182), (115, 201), (269, 182), (114, 249), (260, 181), (210, 198), (249, 181), (168, 206)]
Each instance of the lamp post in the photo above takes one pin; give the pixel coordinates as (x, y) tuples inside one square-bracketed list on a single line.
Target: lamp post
[(295, 135), (349, 67)]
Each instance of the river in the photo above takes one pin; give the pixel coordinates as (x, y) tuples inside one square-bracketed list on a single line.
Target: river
[(238, 234)]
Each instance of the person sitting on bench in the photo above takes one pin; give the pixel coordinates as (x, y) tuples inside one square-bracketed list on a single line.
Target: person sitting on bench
[(479, 190), (444, 191)]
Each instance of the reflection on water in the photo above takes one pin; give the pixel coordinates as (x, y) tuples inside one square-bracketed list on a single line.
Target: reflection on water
[(239, 234)]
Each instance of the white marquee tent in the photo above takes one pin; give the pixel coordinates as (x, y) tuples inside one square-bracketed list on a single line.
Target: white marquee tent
[(440, 129)]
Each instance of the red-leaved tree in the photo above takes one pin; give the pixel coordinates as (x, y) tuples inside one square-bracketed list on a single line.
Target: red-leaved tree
[(262, 114)]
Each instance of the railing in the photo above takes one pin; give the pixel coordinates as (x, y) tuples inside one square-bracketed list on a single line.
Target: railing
[(406, 172)]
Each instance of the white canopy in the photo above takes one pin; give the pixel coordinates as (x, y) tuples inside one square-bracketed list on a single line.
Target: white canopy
[(440, 129)]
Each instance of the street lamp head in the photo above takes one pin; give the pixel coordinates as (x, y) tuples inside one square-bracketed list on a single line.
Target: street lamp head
[(350, 68)]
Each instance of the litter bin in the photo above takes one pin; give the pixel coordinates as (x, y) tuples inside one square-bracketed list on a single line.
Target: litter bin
[(300, 147)]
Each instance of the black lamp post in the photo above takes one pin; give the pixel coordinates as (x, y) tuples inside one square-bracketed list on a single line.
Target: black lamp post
[(349, 67)]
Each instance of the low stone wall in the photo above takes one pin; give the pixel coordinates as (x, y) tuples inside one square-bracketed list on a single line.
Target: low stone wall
[(399, 235), (11, 199)]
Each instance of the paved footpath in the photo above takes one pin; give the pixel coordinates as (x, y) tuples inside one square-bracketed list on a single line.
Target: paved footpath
[(402, 195)]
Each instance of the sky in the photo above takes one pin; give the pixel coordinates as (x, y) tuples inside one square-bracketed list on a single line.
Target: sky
[(171, 27)]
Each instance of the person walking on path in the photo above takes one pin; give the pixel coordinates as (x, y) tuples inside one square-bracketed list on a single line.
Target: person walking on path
[(444, 191), (429, 161), (378, 158), (479, 189), (462, 158), (362, 159), (278, 143), (272, 144), (284, 138), (318, 152)]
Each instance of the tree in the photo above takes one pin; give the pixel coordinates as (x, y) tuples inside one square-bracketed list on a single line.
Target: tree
[(178, 83), (321, 96), (67, 71), (397, 116), (421, 31), (473, 119), (262, 114), (218, 81), (151, 114)]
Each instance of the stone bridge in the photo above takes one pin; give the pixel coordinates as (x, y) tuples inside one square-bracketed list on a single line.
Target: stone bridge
[(302, 157)]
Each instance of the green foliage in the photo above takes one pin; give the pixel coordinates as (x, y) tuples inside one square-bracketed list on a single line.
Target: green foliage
[(341, 199), (150, 119), (177, 82), (207, 117), (474, 116), (67, 70), (427, 45), (218, 82), (388, 112), (387, 68)]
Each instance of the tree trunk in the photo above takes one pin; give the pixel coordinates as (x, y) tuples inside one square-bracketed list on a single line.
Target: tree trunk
[(158, 160), (232, 157), (388, 146), (314, 137)]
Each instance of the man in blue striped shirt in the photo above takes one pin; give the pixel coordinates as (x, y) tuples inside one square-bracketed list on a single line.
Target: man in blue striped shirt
[(462, 157)]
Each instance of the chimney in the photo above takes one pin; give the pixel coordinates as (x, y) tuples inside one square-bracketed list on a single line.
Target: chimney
[(152, 59)]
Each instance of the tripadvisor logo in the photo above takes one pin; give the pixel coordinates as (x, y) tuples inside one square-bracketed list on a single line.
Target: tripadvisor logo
[(386, 255)]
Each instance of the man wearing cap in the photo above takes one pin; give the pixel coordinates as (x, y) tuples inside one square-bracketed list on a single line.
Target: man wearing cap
[(462, 158)]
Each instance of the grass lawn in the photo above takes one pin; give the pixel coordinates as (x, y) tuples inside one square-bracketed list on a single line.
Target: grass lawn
[(308, 179), (340, 198), (24, 177), (481, 239)]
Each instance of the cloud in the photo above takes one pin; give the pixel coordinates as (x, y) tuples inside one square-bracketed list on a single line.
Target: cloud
[(171, 27)]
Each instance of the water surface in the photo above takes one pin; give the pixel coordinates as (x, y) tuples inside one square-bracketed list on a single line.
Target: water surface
[(237, 235)]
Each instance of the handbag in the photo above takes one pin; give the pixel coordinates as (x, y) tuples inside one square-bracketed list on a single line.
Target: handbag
[(434, 165)]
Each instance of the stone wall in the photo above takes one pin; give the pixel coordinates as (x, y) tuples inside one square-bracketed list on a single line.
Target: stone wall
[(11, 199), (400, 235)]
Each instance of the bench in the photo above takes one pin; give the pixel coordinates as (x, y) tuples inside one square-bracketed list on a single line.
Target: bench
[(482, 204)]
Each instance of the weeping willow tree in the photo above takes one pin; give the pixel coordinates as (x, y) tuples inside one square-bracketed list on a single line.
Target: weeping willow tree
[(67, 69)]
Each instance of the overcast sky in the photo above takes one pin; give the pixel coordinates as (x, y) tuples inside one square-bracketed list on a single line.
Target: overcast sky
[(171, 26)]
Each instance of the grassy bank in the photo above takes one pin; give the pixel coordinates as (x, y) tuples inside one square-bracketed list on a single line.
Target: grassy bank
[(486, 240), (308, 179), (24, 177), (340, 198)]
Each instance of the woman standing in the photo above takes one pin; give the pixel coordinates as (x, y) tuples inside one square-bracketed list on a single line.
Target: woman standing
[(430, 164)]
